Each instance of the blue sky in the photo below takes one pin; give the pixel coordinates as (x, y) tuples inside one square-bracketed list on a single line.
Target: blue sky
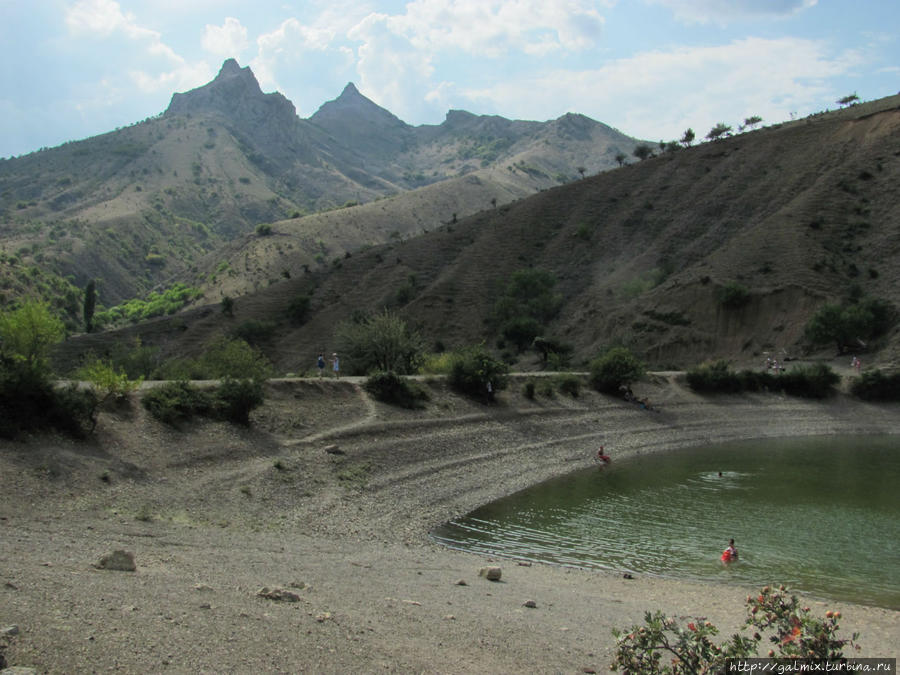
[(651, 68)]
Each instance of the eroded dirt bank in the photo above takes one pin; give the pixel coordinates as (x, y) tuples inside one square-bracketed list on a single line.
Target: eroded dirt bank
[(331, 496)]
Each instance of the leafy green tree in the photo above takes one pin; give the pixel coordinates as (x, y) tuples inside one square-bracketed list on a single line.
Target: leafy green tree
[(620, 158), (380, 343), (109, 384), (528, 302), (228, 305), (752, 121), (236, 359), (688, 137), (733, 295), (850, 325), (721, 129), (616, 368), (643, 151), (28, 333), (581, 170), (90, 304), (852, 99), (473, 371)]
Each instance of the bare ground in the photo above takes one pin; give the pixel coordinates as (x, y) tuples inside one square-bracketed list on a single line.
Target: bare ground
[(331, 495)]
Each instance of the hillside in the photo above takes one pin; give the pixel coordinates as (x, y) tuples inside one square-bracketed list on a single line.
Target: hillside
[(797, 214), (145, 206)]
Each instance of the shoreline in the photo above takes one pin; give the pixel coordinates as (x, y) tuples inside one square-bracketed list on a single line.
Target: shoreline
[(332, 496)]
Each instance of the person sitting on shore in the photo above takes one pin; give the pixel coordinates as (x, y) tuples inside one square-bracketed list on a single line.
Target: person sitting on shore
[(730, 554)]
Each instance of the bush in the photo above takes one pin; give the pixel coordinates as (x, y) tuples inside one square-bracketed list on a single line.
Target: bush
[(298, 309), (379, 343), (568, 384), (109, 384), (263, 229), (254, 331), (389, 387), (618, 367), (815, 381), (733, 295), (236, 399), (874, 385), (528, 390), (791, 630), (521, 331), (474, 372), (178, 401), (849, 326)]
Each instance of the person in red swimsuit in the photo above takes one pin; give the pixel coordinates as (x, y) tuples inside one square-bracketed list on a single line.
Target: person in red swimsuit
[(606, 459), (730, 554)]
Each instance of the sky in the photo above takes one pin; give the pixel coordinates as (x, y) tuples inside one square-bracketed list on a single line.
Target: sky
[(71, 69)]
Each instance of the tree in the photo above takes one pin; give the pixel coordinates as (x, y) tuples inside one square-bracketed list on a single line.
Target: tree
[(90, 303), (643, 151), (721, 129), (28, 333), (475, 372), (752, 121), (581, 170), (380, 343), (620, 158), (616, 368), (850, 325), (688, 137), (852, 99)]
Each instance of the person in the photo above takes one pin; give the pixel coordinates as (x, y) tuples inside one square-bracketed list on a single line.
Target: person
[(730, 554), (336, 364), (320, 364), (606, 459)]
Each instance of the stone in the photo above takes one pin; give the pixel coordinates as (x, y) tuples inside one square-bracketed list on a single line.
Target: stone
[(119, 560), (531, 604), (491, 573), (461, 582), (278, 594), (9, 631)]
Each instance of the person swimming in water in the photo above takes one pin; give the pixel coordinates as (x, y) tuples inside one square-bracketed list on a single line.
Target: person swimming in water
[(730, 554)]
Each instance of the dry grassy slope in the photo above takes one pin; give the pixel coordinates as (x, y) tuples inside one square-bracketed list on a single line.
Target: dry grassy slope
[(796, 213)]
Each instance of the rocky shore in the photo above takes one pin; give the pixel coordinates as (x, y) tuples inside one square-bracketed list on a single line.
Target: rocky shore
[(301, 543)]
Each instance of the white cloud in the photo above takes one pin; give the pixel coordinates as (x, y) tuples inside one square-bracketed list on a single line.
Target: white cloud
[(227, 40), (725, 11), (105, 19), (658, 94), (494, 27), (286, 44)]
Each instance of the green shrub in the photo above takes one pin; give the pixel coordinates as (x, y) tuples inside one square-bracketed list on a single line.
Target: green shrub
[(254, 331), (178, 401), (849, 325), (733, 295), (389, 387), (474, 372), (298, 309), (528, 390), (227, 358), (714, 377), (568, 383), (521, 331), (815, 381), (616, 368), (236, 399), (263, 229), (379, 343), (874, 385)]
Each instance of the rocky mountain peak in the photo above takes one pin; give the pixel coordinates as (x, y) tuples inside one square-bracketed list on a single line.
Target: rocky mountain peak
[(235, 93)]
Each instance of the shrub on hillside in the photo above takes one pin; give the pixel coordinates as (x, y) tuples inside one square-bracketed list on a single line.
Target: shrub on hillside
[(298, 309), (178, 401), (850, 325), (874, 385), (616, 368), (254, 331), (714, 377), (733, 295), (474, 372), (379, 343), (569, 384), (234, 400), (815, 381), (389, 387)]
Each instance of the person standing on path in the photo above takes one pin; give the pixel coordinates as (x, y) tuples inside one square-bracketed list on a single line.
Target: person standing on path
[(336, 365), (320, 364)]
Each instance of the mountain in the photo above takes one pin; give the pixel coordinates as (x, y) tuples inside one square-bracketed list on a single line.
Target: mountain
[(796, 215), (148, 205)]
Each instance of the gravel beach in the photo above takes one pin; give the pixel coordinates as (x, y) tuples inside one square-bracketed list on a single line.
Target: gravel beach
[(300, 544)]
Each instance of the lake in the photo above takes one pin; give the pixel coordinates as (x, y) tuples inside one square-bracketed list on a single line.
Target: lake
[(820, 515)]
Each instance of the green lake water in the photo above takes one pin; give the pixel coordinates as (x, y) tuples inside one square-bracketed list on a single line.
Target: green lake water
[(820, 515)]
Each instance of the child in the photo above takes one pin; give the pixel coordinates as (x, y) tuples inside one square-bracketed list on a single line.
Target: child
[(730, 554)]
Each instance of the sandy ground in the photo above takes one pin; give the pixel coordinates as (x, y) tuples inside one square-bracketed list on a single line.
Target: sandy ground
[(330, 496)]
